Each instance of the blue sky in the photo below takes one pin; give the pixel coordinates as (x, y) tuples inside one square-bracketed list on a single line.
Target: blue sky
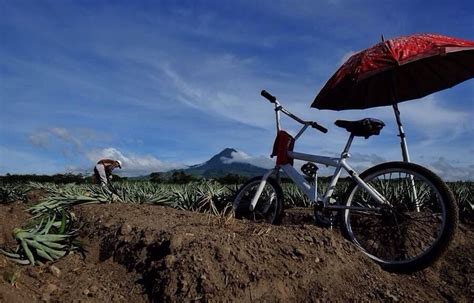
[(164, 84)]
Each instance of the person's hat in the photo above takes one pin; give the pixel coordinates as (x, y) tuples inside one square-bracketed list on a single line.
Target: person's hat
[(119, 164)]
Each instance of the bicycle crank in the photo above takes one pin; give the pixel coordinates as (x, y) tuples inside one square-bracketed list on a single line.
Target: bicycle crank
[(324, 217)]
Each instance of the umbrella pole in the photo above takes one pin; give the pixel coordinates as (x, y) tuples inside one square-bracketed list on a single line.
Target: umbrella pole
[(405, 154), (403, 141), (401, 132)]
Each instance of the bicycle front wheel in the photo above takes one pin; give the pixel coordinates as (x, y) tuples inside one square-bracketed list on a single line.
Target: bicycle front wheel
[(269, 206), (413, 227)]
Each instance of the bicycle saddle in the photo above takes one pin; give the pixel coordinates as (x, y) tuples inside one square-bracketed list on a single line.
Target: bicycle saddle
[(362, 128)]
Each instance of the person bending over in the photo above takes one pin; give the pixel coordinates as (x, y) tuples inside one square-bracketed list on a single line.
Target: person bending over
[(103, 170)]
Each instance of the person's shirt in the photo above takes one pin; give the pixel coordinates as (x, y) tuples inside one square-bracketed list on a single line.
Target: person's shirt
[(109, 165)]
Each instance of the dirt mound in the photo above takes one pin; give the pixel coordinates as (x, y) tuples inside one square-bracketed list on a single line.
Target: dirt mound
[(75, 278), (187, 256), (144, 252)]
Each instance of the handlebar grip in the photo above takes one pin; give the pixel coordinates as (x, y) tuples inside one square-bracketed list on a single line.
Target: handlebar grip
[(268, 96), (319, 127)]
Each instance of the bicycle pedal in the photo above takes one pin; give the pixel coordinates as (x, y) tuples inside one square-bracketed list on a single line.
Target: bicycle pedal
[(309, 169)]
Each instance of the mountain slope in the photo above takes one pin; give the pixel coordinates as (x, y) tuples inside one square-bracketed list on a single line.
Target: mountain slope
[(222, 164)]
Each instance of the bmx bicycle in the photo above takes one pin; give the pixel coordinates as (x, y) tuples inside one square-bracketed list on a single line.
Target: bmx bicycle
[(400, 214)]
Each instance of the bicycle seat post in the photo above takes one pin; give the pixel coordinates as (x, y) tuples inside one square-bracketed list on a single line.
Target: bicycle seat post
[(345, 153)]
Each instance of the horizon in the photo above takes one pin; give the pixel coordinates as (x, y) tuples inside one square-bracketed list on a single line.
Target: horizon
[(162, 86), (236, 156)]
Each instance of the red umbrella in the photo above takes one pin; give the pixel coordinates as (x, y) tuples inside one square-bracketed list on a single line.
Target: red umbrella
[(412, 66), (398, 70)]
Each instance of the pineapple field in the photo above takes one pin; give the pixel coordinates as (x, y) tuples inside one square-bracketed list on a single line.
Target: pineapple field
[(180, 242)]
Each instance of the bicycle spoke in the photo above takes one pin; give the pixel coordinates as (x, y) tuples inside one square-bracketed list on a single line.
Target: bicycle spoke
[(422, 241)]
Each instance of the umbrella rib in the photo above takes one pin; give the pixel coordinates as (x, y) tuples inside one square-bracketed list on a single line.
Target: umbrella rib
[(438, 74), (416, 84), (463, 66)]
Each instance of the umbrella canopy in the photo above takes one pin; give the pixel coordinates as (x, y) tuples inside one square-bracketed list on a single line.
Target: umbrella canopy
[(397, 70)]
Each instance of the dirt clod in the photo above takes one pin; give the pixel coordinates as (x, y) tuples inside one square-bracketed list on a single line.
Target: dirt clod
[(93, 289), (125, 229), (50, 288), (54, 271), (299, 252)]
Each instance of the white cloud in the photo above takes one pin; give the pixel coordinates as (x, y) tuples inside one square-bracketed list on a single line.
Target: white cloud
[(450, 172), (211, 90), (434, 119), (65, 135), (241, 157), (134, 164), (42, 138), (429, 120), (369, 159), (359, 161)]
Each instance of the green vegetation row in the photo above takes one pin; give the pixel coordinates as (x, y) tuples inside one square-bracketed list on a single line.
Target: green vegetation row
[(176, 177), (51, 233), (189, 196)]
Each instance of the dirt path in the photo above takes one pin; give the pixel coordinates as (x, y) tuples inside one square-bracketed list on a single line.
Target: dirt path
[(139, 253)]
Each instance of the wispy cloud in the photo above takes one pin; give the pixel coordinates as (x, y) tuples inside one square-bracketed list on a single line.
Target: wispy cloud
[(213, 91), (435, 120), (64, 137), (40, 139)]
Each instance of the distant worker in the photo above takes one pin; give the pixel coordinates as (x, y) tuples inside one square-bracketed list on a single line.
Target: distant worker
[(103, 170)]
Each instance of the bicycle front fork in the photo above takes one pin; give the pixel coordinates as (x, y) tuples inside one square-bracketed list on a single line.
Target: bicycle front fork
[(260, 189)]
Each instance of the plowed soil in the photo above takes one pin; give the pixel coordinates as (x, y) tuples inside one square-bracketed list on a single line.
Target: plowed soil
[(141, 253)]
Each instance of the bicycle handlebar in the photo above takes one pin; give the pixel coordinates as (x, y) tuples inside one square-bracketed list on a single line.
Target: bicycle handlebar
[(319, 127), (278, 107), (268, 96)]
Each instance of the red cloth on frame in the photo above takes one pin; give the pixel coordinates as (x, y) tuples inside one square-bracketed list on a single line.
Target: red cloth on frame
[(284, 142)]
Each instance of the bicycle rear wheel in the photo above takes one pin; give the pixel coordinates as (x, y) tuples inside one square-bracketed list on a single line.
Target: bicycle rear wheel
[(269, 206), (415, 225)]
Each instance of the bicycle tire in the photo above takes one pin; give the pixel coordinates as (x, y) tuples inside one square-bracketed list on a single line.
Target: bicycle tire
[(271, 213), (403, 208)]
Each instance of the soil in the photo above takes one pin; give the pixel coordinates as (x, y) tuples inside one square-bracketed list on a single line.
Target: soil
[(142, 253)]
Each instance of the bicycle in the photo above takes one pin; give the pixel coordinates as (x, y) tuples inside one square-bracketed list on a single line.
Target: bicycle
[(400, 214)]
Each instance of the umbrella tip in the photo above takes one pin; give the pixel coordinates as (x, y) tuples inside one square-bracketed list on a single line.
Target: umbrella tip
[(383, 39)]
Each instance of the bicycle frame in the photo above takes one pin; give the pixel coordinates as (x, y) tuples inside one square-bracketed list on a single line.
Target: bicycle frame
[(311, 190)]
